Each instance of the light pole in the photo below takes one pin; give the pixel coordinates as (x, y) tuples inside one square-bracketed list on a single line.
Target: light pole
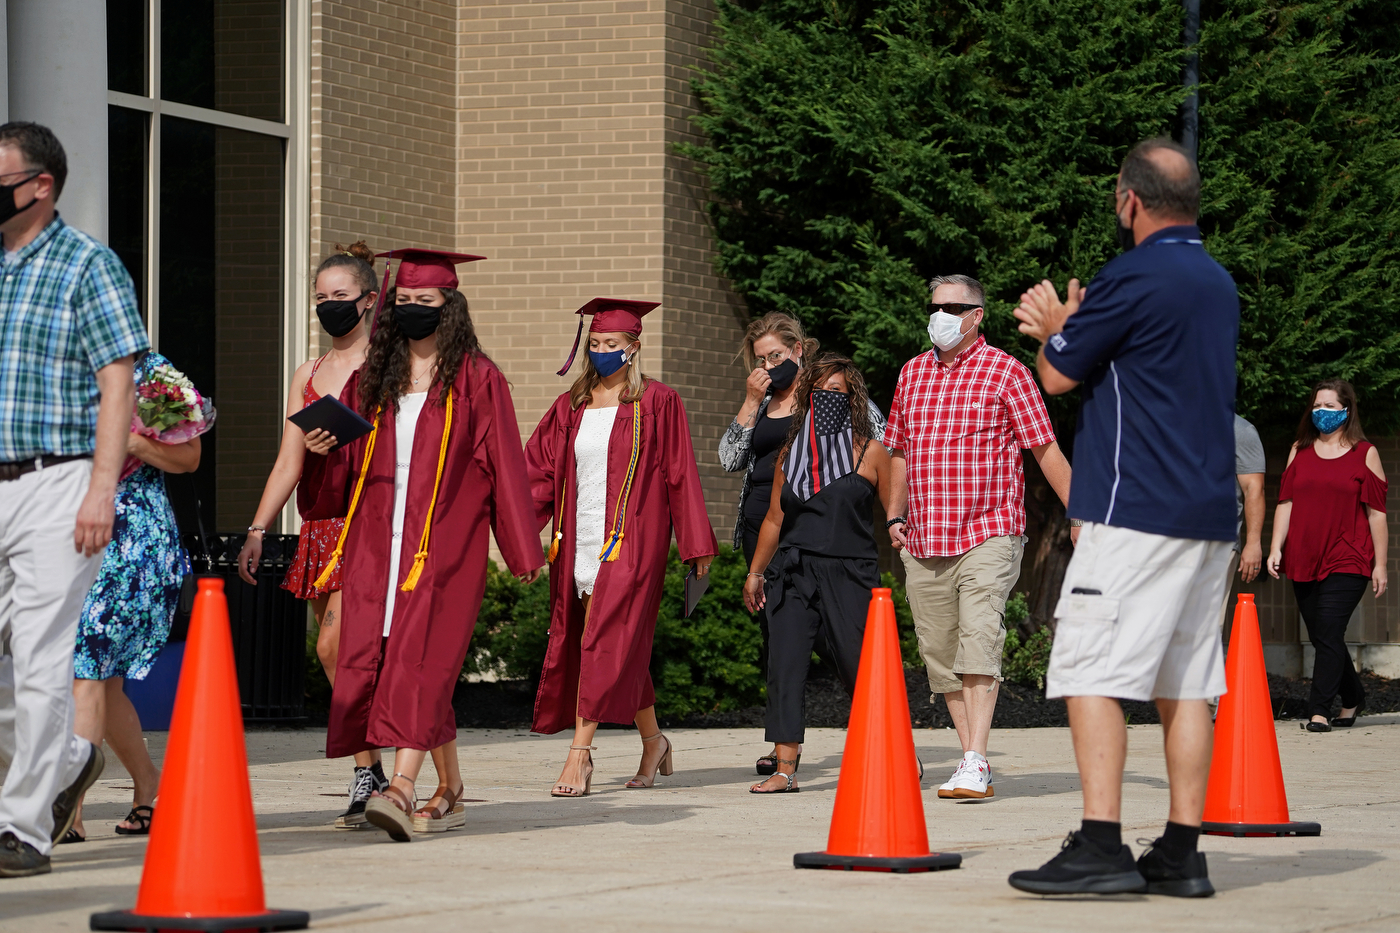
[(1191, 79)]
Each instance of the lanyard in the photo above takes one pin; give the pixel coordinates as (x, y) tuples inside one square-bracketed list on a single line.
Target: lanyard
[(1175, 240)]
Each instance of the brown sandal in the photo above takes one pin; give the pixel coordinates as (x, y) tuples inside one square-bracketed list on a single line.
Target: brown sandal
[(449, 814), (391, 810)]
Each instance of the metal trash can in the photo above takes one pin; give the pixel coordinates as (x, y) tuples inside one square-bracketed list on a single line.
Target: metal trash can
[(268, 625)]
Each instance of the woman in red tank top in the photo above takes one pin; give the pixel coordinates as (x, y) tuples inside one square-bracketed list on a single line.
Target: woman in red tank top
[(1330, 539), (346, 290)]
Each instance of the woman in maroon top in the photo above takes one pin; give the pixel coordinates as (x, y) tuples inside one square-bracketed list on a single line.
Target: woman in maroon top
[(1330, 539)]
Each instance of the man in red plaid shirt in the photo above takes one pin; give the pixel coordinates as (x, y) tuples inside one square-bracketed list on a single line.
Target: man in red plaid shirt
[(962, 413)]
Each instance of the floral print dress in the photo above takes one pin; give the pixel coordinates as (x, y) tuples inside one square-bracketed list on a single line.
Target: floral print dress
[(126, 617)]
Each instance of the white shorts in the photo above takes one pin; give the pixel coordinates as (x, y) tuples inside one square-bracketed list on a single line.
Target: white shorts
[(1139, 617)]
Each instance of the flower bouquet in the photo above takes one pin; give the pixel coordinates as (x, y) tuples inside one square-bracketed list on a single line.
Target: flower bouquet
[(170, 410)]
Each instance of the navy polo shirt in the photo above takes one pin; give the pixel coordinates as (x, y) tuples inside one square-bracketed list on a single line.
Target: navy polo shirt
[(1154, 346)]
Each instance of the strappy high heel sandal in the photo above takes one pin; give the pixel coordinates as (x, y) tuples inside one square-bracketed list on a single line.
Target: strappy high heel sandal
[(569, 790), (449, 814), (663, 765), (392, 811)]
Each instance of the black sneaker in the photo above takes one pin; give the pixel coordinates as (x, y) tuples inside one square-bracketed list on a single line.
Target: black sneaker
[(1184, 878), (20, 859), (381, 783), (1082, 868), (65, 805), (362, 785)]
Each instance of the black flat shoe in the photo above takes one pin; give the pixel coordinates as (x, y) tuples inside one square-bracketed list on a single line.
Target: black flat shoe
[(1346, 722), (1315, 726)]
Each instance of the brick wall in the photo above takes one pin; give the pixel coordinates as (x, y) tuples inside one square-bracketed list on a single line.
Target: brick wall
[(384, 125), (705, 323)]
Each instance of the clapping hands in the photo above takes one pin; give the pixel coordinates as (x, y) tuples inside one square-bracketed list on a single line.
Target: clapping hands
[(1041, 312)]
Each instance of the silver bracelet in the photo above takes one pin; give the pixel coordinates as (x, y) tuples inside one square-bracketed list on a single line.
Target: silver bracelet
[(759, 575)]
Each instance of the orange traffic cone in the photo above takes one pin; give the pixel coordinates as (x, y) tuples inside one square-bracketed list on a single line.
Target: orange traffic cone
[(878, 821), (202, 870), (1245, 796)]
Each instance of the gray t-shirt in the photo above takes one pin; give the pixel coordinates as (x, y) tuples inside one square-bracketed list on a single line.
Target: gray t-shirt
[(1249, 458)]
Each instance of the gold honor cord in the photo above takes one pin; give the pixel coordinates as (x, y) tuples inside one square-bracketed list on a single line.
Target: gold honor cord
[(325, 576), (614, 545), (416, 570)]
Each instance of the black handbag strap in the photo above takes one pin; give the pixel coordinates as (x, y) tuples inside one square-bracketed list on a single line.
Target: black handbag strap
[(199, 521)]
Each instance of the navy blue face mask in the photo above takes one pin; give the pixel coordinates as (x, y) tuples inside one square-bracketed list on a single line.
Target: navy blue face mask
[(609, 362)]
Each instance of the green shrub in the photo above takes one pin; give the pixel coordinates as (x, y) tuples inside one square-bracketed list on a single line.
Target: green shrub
[(1025, 657), (512, 628)]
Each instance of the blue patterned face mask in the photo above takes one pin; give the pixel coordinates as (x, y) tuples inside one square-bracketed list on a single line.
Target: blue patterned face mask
[(1328, 420)]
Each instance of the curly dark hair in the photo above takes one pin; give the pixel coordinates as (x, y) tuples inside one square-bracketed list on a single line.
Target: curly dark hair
[(814, 374), (385, 375)]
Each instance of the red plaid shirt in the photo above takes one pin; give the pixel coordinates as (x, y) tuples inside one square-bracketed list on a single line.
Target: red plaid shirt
[(962, 428)]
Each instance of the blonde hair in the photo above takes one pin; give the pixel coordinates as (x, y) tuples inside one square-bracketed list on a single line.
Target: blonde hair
[(785, 327), (581, 391)]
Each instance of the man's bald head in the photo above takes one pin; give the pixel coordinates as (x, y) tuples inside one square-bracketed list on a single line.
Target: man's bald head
[(1164, 178)]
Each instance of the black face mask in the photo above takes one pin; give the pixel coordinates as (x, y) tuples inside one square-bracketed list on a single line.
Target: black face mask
[(7, 199), (1125, 235), (339, 318), (417, 321), (783, 374)]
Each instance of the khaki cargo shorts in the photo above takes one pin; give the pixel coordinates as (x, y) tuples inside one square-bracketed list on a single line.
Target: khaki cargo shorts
[(959, 606)]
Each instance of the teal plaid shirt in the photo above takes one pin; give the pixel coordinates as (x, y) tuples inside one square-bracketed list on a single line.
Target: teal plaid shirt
[(67, 309)]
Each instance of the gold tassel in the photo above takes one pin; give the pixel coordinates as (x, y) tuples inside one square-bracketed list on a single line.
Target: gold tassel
[(416, 570), (554, 547), (325, 576)]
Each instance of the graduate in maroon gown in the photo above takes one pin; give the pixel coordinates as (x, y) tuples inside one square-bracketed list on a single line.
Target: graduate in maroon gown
[(611, 464), (442, 468)]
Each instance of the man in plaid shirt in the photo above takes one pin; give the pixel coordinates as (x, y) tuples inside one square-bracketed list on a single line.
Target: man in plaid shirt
[(72, 328), (962, 413)]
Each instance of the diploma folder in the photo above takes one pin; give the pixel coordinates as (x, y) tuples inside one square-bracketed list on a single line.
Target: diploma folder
[(695, 587), (335, 418)]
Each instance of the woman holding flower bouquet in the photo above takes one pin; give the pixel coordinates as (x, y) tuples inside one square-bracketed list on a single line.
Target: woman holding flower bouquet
[(126, 618)]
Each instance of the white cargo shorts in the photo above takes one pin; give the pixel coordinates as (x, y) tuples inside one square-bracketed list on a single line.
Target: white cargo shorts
[(1139, 617)]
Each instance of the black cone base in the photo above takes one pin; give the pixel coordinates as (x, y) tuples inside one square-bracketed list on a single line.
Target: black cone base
[(934, 861), (1262, 829), (132, 921)]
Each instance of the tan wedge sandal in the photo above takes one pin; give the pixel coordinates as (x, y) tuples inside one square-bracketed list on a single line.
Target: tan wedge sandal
[(449, 814), (569, 790), (663, 766), (391, 811)]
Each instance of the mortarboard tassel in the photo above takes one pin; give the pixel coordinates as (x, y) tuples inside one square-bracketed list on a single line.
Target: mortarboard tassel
[(421, 557), (614, 544), (383, 290), (325, 576), (574, 352)]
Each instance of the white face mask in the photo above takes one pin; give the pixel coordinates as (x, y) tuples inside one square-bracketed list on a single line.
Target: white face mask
[(945, 330)]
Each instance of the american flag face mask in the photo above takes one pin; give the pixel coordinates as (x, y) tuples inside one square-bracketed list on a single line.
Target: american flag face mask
[(823, 451)]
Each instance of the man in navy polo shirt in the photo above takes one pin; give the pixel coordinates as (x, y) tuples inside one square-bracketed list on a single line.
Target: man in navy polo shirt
[(1152, 341)]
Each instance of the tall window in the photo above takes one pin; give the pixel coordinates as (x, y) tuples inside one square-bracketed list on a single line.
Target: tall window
[(203, 164)]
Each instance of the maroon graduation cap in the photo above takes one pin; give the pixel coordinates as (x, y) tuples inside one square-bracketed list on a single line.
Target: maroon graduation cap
[(426, 268), (610, 316)]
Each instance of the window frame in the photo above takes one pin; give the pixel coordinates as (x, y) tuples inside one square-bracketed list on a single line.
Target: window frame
[(296, 209)]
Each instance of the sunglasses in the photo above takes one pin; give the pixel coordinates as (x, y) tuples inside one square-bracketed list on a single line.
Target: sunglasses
[(951, 307)]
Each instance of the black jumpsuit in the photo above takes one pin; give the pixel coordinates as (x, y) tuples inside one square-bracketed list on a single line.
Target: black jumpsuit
[(818, 585)]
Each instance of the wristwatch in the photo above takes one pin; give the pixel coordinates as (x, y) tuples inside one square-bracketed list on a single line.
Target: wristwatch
[(897, 520), (1076, 523)]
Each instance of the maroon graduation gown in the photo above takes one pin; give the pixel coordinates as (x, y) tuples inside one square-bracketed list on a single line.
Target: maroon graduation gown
[(398, 692), (605, 669)]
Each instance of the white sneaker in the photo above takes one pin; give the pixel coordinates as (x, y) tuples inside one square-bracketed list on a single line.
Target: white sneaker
[(973, 779), (946, 790)]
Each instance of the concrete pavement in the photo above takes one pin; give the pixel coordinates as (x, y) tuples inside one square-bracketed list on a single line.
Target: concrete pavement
[(699, 853)]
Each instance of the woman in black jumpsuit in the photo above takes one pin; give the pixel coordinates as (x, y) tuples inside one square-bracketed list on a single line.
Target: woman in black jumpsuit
[(816, 560)]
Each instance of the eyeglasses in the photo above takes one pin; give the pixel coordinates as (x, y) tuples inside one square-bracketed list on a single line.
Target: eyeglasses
[(951, 307), (774, 358)]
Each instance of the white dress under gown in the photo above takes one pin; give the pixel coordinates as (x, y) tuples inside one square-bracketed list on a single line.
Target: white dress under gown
[(591, 510), (405, 425)]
